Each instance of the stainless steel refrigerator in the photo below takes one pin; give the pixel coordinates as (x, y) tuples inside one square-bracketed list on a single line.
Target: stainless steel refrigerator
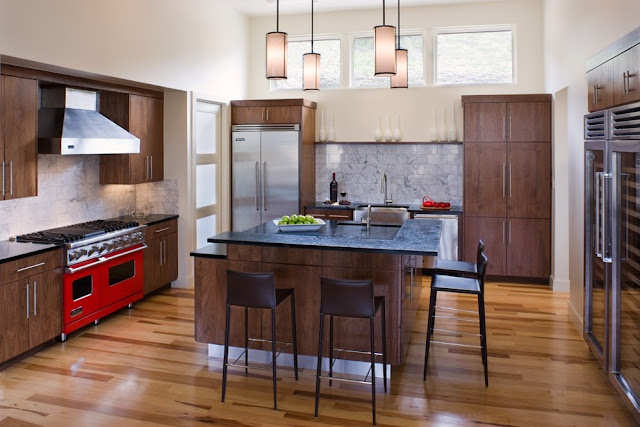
[(612, 246), (264, 173)]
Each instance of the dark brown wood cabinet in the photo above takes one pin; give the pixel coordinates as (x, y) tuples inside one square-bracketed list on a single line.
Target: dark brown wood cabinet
[(31, 303), (18, 137), (161, 255), (143, 117), (626, 76), (600, 87), (330, 214), (507, 182), (266, 115)]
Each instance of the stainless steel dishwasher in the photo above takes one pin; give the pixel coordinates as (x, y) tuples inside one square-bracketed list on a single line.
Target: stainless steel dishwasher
[(448, 247)]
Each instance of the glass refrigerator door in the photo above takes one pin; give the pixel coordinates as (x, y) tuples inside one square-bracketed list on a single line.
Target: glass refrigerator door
[(597, 253), (626, 273)]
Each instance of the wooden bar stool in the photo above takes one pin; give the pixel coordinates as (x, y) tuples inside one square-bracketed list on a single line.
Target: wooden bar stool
[(257, 290), (463, 285), (351, 298), (459, 268)]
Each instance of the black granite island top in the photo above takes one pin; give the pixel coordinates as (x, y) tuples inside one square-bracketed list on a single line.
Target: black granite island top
[(414, 237), (11, 251)]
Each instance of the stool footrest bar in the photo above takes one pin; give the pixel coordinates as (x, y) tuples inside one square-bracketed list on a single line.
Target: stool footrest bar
[(457, 318), (456, 332), (456, 309), (455, 344)]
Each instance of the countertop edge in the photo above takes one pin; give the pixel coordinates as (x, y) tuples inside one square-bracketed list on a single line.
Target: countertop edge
[(169, 217), (214, 250), (31, 253)]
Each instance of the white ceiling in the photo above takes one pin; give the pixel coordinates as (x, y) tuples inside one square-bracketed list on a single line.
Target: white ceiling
[(287, 7)]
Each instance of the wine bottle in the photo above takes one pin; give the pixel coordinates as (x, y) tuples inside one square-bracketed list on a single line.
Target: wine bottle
[(333, 189)]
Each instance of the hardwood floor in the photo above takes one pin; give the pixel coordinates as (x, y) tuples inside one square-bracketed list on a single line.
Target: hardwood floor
[(142, 367)]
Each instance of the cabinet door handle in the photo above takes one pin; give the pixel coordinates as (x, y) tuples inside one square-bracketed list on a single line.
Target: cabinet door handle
[(11, 177), (257, 174), (509, 128), (162, 229), (35, 298), (27, 300), (151, 167), (146, 167), (503, 232), (161, 252), (3, 183), (624, 83), (509, 180), (504, 180), (596, 88), (267, 115), (263, 114), (504, 127), (509, 234), (30, 267), (264, 180)]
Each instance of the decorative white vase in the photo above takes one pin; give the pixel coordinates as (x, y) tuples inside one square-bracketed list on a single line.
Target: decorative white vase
[(397, 134), (388, 135), (443, 126), (434, 127), (323, 133), (453, 132), (331, 134), (378, 132)]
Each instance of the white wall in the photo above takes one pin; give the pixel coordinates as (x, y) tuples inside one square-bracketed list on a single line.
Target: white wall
[(188, 45), (575, 30), (355, 110)]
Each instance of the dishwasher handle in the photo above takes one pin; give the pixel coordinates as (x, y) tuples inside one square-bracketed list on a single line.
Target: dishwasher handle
[(429, 216)]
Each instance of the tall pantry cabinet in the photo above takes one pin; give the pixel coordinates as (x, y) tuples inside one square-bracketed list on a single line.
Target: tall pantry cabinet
[(507, 182)]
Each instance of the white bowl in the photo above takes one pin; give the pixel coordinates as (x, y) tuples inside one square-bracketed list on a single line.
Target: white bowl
[(299, 227)]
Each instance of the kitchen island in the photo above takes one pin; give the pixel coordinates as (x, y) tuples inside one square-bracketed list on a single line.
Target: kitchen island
[(390, 256)]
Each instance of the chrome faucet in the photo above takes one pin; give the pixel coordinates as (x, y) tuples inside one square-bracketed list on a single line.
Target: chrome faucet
[(383, 189)]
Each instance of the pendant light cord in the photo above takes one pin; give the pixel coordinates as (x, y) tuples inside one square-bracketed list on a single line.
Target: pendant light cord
[(311, 26), (383, 13), (278, 15), (398, 24)]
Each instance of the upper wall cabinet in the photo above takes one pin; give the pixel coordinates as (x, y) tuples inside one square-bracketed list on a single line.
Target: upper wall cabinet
[(143, 117), (614, 74), (18, 137), (266, 115)]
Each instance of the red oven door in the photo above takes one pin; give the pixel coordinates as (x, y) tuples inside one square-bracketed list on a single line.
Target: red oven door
[(122, 275), (81, 284)]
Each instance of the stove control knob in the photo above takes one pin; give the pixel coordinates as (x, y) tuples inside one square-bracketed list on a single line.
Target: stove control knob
[(94, 249)]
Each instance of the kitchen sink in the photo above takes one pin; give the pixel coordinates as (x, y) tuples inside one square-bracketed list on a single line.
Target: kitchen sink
[(381, 214)]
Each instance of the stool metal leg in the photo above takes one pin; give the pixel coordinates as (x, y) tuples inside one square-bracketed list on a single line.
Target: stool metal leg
[(330, 349), (226, 352), (246, 339), (384, 346), (294, 335), (320, 340), (273, 356), (373, 369), (430, 326), (483, 339)]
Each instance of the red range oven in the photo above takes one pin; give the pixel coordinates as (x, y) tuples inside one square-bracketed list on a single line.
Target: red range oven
[(97, 287)]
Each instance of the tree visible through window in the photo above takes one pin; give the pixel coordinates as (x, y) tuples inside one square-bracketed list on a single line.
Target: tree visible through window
[(474, 57), (363, 62), (330, 70)]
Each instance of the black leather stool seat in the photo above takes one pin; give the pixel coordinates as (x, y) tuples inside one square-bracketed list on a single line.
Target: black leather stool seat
[(351, 298), (455, 284), (459, 268), (257, 290)]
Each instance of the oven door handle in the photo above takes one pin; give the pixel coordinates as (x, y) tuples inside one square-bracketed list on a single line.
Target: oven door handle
[(101, 260)]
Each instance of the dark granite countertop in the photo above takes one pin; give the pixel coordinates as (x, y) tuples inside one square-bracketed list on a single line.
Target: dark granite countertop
[(11, 251), (214, 250), (413, 207), (150, 220), (415, 237)]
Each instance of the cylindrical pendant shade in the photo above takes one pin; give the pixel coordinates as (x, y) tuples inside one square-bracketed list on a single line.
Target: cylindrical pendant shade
[(311, 71), (401, 79), (384, 39), (276, 55)]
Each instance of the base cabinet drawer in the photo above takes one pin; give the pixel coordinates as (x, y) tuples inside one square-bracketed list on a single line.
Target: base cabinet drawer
[(330, 214)]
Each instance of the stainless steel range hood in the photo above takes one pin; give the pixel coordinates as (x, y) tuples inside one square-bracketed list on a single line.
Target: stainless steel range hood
[(68, 123)]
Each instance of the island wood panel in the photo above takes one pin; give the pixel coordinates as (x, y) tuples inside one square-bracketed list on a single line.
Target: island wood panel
[(354, 334), (362, 260), (529, 121), (291, 256), (14, 324), (529, 180), (45, 320), (305, 280), (210, 306), (485, 179), (244, 253), (485, 122), (20, 135), (411, 292)]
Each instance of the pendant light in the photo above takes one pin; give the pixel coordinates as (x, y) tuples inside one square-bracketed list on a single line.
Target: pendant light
[(277, 51), (401, 79), (384, 45), (311, 65)]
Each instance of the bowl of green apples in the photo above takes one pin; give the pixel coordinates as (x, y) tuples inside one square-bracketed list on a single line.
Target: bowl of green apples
[(297, 222)]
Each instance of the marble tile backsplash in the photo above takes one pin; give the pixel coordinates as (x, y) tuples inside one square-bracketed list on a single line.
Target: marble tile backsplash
[(69, 192), (413, 171)]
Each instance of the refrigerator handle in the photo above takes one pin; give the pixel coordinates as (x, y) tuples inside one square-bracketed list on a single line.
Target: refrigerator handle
[(625, 256), (256, 194), (603, 249), (264, 181), (597, 244)]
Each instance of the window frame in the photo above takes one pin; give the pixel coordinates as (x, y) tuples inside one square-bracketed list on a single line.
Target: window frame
[(410, 32), (476, 29), (316, 37)]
